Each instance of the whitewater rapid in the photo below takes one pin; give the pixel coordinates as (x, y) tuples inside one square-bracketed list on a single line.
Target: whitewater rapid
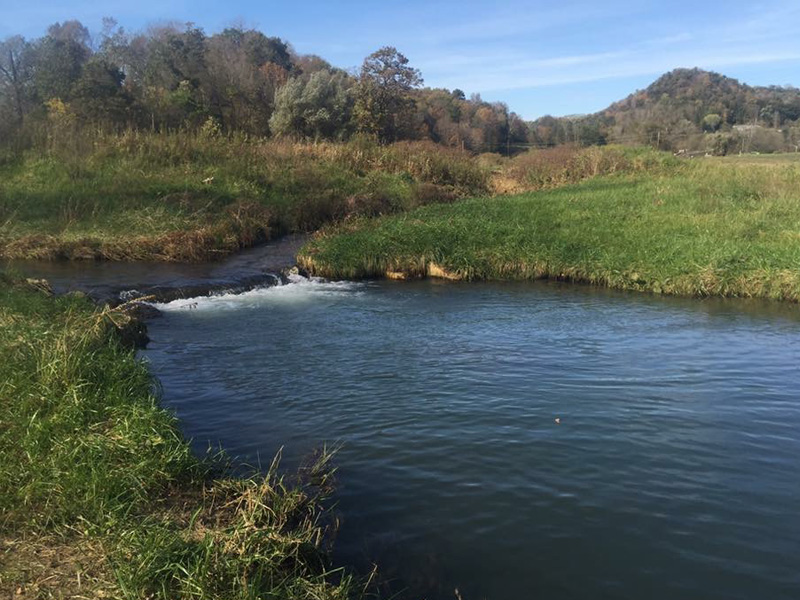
[(297, 289)]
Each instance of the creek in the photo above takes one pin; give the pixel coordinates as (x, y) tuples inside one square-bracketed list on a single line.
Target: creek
[(509, 441)]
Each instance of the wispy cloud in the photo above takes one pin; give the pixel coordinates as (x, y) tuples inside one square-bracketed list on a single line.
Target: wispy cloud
[(511, 63), (531, 75), (741, 40), (522, 19)]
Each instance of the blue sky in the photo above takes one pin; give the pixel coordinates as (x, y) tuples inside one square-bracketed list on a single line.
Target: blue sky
[(539, 57)]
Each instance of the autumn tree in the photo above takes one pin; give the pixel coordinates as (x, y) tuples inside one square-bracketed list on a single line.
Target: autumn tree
[(308, 64), (384, 104), (438, 116), (244, 70)]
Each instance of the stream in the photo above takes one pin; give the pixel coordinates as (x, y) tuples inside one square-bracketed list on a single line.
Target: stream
[(526, 440)]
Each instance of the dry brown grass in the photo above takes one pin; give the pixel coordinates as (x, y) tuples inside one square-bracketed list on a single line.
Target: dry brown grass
[(40, 567)]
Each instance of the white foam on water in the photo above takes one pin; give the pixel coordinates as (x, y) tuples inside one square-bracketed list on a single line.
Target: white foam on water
[(298, 290)]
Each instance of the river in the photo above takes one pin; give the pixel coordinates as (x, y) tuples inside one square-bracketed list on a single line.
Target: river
[(515, 440)]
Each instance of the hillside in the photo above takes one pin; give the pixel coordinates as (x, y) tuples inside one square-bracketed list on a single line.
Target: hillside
[(676, 110)]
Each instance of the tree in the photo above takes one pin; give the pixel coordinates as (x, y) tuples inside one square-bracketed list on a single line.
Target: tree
[(793, 136), (316, 107), (384, 106), (241, 81), (174, 73), (258, 48), (311, 63), (98, 95), (438, 116), (59, 59), (15, 74), (711, 122)]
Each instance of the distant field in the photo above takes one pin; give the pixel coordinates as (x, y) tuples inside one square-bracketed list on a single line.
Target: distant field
[(705, 228), (760, 159)]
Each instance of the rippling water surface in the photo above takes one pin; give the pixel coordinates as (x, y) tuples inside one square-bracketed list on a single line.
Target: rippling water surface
[(674, 471)]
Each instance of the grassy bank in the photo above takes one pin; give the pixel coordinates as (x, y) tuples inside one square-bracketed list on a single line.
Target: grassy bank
[(695, 228), (194, 197), (781, 158), (100, 495)]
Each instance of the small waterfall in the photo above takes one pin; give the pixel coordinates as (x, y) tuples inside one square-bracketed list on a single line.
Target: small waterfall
[(289, 289)]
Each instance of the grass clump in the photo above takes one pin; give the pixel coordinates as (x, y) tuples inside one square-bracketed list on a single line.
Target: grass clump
[(694, 228), (100, 495), (189, 196)]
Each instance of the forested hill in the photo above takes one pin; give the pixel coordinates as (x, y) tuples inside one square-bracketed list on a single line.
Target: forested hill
[(676, 109), (699, 97)]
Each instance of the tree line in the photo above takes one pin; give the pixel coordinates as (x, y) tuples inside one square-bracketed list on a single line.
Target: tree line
[(172, 77), (177, 77)]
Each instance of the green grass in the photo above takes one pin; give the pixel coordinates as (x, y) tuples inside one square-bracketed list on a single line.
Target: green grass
[(100, 495), (695, 228), (193, 197), (760, 159)]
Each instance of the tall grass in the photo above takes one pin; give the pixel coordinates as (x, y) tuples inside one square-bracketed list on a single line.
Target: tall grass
[(194, 196), (696, 228), (563, 165), (100, 495)]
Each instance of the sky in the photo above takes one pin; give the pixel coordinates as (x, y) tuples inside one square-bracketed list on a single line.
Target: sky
[(557, 58)]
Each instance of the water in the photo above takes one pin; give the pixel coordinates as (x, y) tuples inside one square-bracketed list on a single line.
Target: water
[(104, 280), (674, 471)]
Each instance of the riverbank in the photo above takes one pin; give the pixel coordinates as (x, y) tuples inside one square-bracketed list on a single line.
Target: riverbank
[(100, 495), (698, 228), (626, 218), (192, 197)]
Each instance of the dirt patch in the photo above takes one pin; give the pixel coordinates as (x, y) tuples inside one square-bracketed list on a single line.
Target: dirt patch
[(38, 568)]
